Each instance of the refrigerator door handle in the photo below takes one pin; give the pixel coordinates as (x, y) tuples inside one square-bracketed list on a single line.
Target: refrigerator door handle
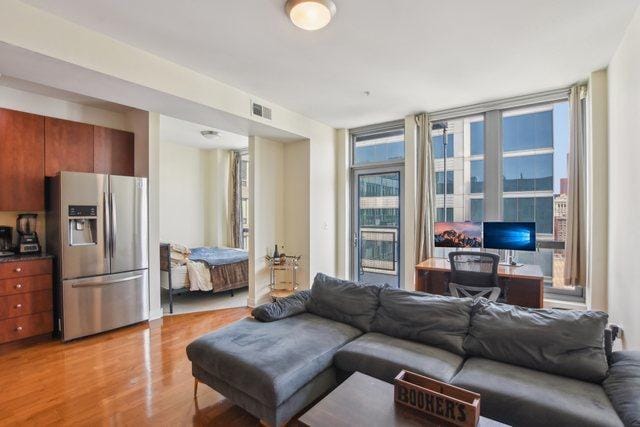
[(107, 225), (114, 224), (93, 283)]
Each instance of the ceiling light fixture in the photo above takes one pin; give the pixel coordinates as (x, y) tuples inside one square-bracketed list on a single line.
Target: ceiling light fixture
[(210, 134), (310, 15)]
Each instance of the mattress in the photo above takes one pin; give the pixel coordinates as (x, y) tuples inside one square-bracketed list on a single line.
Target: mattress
[(216, 257), (179, 278)]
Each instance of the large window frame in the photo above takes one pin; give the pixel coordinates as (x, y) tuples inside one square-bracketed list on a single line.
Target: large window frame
[(493, 192), (358, 169)]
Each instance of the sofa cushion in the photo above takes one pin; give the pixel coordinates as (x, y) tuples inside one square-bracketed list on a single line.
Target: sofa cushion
[(524, 397), (344, 301), (623, 386), (283, 307), (383, 357), (271, 361), (563, 342), (435, 320)]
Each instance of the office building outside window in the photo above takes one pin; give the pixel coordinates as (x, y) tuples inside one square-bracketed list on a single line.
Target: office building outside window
[(465, 171), (533, 153)]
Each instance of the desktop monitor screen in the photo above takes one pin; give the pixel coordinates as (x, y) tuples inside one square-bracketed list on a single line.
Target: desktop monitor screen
[(458, 235), (519, 236)]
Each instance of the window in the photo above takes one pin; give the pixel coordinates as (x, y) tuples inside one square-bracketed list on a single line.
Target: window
[(535, 155), (379, 146), (477, 137), (438, 146), (440, 182), (440, 215), (531, 185), (477, 176), (464, 165), (527, 130), (528, 173), (244, 201)]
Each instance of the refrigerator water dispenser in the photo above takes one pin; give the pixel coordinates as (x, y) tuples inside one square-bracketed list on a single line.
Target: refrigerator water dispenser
[(83, 222)]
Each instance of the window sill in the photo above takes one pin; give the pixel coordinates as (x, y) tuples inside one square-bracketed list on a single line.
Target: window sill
[(567, 305)]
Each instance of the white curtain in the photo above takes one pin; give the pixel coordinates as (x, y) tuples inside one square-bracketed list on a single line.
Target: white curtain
[(426, 192), (575, 266)]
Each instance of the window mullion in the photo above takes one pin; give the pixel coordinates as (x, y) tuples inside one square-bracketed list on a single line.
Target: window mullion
[(493, 166)]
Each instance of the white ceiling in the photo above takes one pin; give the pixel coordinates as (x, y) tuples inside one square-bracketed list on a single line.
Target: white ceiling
[(181, 132), (412, 55)]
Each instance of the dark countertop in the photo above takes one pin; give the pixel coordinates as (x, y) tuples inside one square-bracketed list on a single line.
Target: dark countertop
[(24, 257)]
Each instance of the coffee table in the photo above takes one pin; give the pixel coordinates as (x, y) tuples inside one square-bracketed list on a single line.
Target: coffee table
[(366, 401)]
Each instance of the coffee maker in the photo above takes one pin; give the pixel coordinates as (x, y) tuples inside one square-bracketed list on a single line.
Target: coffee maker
[(27, 236), (6, 241)]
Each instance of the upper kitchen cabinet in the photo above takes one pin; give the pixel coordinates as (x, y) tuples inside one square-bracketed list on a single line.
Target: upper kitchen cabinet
[(113, 151), (21, 161), (68, 146)]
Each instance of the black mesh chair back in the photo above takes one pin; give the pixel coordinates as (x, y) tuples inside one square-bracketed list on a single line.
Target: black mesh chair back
[(474, 274)]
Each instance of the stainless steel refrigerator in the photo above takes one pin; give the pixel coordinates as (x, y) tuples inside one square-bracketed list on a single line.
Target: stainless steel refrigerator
[(98, 231)]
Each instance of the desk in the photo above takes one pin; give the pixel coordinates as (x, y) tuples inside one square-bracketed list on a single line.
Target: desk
[(523, 286)]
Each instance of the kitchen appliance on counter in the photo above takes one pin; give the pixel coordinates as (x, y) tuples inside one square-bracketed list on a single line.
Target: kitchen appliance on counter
[(6, 241), (97, 229), (27, 237)]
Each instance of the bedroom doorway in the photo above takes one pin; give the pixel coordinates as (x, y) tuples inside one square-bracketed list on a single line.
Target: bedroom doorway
[(204, 222)]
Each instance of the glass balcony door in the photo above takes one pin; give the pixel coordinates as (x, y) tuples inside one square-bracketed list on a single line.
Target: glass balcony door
[(376, 225)]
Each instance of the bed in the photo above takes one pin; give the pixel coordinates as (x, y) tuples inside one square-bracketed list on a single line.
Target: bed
[(226, 268)]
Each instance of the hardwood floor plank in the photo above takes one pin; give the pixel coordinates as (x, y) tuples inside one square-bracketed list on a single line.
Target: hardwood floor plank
[(134, 376)]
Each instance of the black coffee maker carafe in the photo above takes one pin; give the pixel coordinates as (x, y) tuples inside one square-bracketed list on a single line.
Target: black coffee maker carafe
[(28, 238)]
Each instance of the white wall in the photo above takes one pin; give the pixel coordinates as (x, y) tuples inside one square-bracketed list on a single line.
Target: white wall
[(296, 206), (193, 195), (266, 216), (597, 192), (19, 100), (146, 127), (216, 226), (183, 194), (624, 181), (343, 204)]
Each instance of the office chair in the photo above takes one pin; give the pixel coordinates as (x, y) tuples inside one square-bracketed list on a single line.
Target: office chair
[(474, 274)]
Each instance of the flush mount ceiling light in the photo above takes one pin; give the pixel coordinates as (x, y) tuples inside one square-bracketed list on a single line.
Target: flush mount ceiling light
[(210, 134), (310, 15)]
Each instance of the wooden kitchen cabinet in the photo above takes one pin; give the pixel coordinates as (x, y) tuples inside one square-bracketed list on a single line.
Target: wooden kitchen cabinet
[(113, 151), (21, 161), (68, 146)]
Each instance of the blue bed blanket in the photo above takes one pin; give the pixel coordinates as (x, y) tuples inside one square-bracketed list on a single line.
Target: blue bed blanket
[(218, 256)]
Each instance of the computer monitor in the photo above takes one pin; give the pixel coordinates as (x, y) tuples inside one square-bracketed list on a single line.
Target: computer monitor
[(515, 236), (458, 235)]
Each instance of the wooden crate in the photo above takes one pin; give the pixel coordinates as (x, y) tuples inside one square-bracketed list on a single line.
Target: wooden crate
[(457, 406)]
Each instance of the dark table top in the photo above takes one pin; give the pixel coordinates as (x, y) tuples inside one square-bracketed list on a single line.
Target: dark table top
[(366, 401), (24, 257)]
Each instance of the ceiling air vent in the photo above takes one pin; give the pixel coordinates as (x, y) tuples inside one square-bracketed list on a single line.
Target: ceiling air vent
[(260, 111)]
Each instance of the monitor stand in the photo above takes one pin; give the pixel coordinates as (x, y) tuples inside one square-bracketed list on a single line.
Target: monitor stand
[(509, 259)]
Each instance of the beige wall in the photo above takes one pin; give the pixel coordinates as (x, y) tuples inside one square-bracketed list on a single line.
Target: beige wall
[(183, 194), (597, 192), (624, 181), (193, 195), (296, 205), (266, 212), (20, 100)]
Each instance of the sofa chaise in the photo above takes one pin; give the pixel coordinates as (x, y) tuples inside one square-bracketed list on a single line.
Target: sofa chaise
[(531, 367)]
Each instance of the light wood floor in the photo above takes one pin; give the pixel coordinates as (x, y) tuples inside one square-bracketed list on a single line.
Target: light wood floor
[(134, 376)]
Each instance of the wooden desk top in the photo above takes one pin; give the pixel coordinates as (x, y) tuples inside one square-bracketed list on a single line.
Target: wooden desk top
[(526, 271), (365, 401)]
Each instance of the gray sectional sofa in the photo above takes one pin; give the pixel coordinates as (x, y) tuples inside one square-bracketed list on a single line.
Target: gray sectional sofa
[(531, 367)]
